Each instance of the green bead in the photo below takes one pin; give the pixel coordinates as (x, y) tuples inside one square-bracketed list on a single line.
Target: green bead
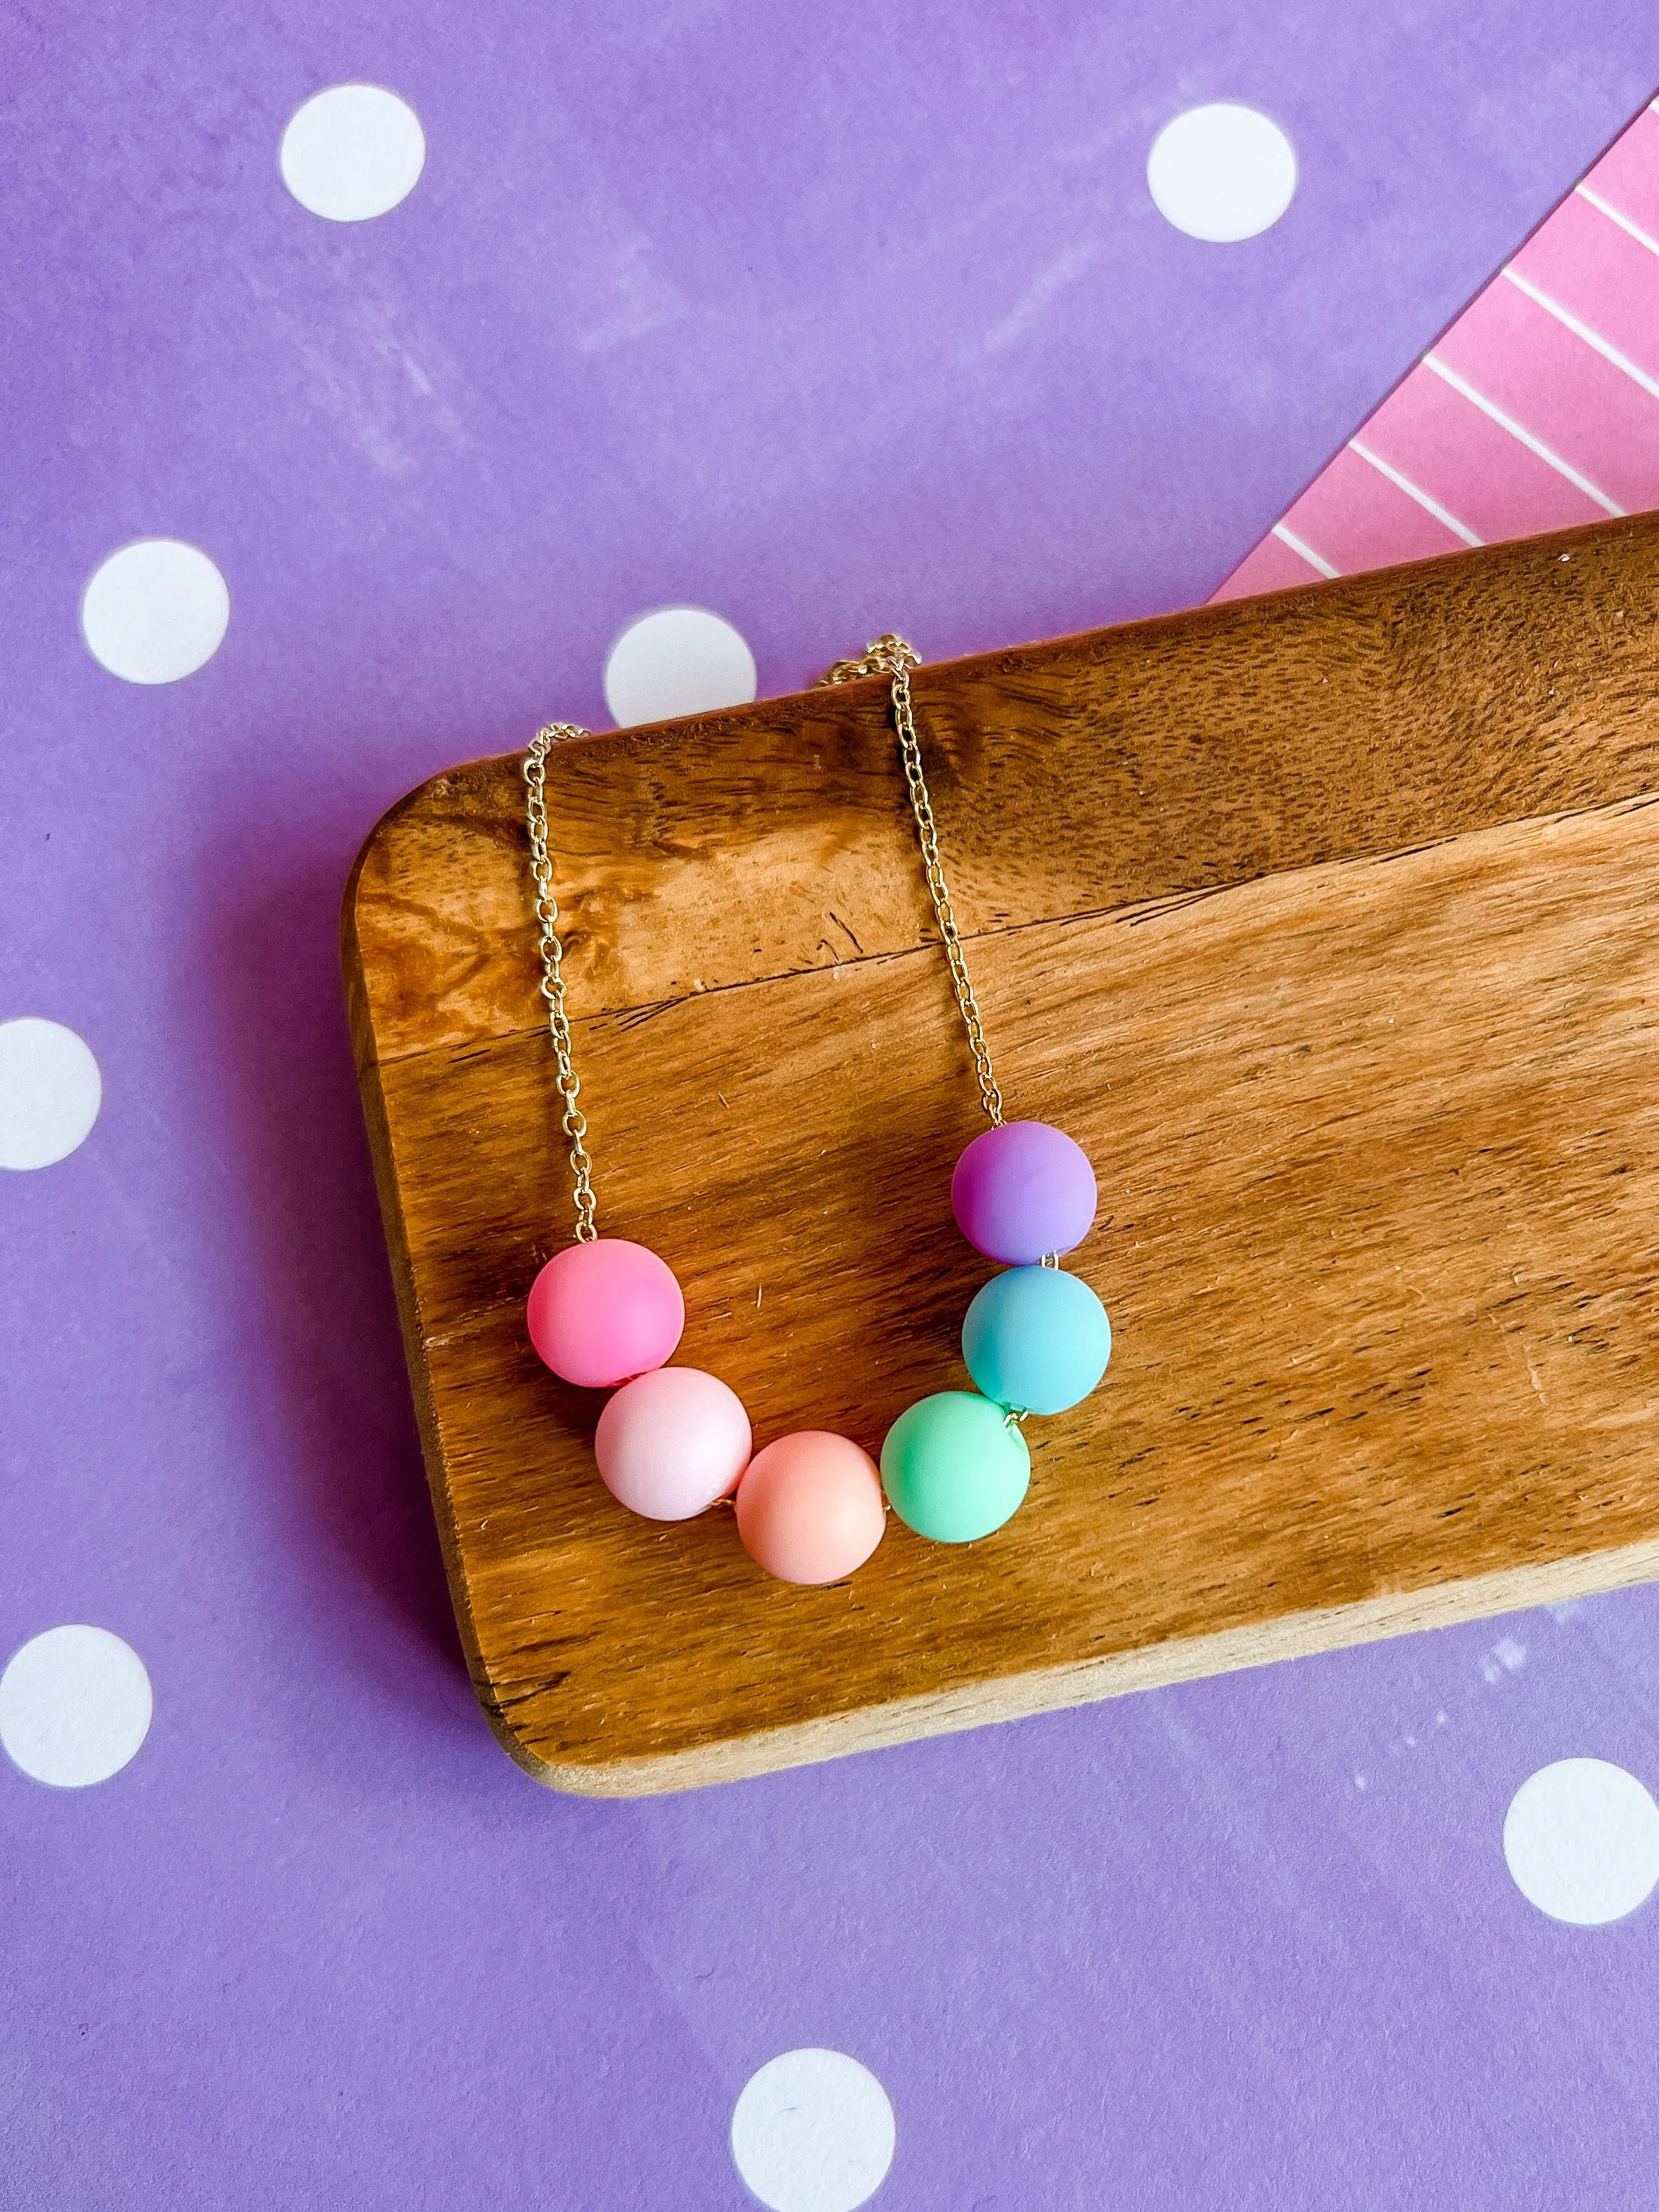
[(954, 1468)]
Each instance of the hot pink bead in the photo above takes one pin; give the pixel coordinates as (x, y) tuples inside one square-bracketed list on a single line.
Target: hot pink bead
[(600, 1313), (670, 1443), (1024, 1190), (809, 1508)]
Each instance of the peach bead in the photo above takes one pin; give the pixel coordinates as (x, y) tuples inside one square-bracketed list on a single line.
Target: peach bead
[(671, 1442), (599, 1313), (809, 1508)]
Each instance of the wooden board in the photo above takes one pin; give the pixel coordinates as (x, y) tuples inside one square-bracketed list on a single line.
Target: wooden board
[(1328, 922)]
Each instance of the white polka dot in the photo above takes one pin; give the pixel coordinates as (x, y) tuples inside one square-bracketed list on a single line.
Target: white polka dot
[(75, 1705), (154, 611), (682, 660), (1582, 1840), (50, 1092), (1222, 173), (813, 2132), (352, 152)]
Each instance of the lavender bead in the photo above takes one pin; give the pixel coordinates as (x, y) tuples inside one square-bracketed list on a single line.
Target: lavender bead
[(1023, 1190)]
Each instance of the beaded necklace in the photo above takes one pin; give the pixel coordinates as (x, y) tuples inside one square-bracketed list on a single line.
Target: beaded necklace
[(606, 1314)]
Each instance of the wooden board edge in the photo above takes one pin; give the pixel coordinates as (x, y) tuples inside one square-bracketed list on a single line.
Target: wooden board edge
[(1298, 1636), (402, 1284), (1371, 584), (822, 698)]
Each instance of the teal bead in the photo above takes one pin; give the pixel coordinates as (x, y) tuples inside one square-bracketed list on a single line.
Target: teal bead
[(953, 1466), (1037, 1338)]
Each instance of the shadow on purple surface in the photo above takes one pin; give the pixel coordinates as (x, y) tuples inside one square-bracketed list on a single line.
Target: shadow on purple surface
[(316, 1250)]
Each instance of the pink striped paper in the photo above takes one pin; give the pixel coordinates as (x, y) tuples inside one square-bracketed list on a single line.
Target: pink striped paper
[(1538, 408)]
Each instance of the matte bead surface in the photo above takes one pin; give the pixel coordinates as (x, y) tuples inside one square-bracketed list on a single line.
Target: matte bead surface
[(809, 1508), (671, 1442), (1037, 1338), (953, 1468), (1023, 1190), (601, 1313)]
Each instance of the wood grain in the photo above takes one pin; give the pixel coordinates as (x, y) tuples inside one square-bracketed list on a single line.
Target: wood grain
[(1324, 921)]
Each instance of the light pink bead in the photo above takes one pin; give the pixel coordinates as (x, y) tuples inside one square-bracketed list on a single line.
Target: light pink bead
[(602, 1312), (670, 1442), (809, 1508)]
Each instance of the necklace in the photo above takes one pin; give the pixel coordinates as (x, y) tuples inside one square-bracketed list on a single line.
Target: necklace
[(607, 1314)]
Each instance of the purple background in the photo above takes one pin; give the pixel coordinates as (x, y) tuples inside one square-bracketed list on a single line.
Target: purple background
[(829, 320)]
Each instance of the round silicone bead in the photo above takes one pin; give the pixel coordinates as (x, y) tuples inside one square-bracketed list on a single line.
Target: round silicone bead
[(1023, 1190), (809, 1508), (603, 1312), (1037, 1338), (671, 1442), (953, 1466)]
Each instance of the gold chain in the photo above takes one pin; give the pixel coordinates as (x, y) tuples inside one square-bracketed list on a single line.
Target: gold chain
[(891, 656), (552, 986), (887, 655)]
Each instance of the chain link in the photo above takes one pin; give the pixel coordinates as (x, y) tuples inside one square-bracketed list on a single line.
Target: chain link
[(891, 656), (888, 655), (574, 1122)]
